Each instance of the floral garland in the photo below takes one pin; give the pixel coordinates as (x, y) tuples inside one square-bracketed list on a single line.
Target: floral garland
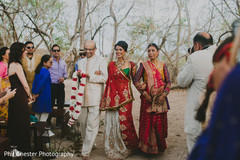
[(76, 97)]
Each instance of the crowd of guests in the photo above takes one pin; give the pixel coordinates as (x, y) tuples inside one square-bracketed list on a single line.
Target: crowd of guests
[(27, 80), (211, 125)]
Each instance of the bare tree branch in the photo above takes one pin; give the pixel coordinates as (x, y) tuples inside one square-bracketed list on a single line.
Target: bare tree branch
[(100, 26), (238, 6), (11, 20), (221, 14), (116, 25), (211, 19), (37, 30), (237, 16), (219, 38), (124, 17), (166, 55), (94, 8), (112, 13)]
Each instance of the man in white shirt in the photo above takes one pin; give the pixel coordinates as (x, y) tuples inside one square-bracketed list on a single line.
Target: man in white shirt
[(194, 76), (95, 68)]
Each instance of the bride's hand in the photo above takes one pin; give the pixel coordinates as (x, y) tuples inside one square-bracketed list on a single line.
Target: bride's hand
[(143, 87), (147, 96), (30, 98)]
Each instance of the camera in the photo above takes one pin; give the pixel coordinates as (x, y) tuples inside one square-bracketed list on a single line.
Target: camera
[(190, 50)]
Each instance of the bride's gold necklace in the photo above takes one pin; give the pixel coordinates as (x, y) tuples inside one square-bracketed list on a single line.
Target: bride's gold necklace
[(119, 65)]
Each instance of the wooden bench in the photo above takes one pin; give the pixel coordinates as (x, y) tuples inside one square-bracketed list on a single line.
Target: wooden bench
[(38, 129), (61, 113)]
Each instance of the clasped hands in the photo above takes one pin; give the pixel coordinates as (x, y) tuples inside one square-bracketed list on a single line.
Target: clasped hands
[(154, 92), (32, 98)]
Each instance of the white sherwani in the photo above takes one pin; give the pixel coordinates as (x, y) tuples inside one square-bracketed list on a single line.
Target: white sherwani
[(195, 76), (89, 117)]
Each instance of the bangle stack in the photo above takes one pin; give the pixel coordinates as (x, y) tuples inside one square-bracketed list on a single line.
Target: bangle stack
[(165, 93)]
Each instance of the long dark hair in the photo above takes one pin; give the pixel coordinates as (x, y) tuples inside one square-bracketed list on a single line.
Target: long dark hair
[(44, 59), (220, 52), (16, 52), (3, 52)]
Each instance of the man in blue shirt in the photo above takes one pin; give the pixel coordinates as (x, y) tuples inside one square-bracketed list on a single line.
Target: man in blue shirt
[(82, 55), (58, 73)]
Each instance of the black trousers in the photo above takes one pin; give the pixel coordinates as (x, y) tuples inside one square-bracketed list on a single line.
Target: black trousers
[(58, 96)]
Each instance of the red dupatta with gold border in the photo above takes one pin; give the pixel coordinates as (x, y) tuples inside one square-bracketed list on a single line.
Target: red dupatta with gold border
[(155, 80), (118, 90)]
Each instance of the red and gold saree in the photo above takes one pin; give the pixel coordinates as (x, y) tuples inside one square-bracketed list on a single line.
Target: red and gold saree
[(153, 125)]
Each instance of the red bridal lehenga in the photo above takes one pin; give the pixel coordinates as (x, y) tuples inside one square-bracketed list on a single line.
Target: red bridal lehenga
[(120, 134), (153, 120)]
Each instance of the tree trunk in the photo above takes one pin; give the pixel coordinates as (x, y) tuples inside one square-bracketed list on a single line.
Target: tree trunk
[(114, 42), (175, 69), (82, 23)]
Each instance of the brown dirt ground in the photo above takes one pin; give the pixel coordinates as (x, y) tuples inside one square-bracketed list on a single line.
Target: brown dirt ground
[(176, 141)]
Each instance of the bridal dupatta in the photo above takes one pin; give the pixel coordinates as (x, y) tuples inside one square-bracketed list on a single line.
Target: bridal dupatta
[(118, 90)]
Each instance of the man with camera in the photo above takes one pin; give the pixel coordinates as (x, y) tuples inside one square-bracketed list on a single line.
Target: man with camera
[(194, 76)]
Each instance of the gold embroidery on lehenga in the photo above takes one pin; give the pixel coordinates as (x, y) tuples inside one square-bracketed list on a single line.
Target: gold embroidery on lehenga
[(111, 140), (123, 127), (123, 109), (124, 136), (108, 100), (122, 118), (117, 100), (125, 93), (104, 102)]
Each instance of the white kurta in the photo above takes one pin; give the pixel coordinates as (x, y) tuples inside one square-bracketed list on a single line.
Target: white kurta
[(195, 76), (94, 85), (89, 117)]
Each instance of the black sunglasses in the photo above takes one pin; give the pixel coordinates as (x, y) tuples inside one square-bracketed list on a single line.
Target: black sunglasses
[(30, 47), (82, 54), (58, 50)]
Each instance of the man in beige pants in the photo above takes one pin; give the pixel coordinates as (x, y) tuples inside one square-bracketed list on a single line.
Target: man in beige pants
[(95, 68)]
